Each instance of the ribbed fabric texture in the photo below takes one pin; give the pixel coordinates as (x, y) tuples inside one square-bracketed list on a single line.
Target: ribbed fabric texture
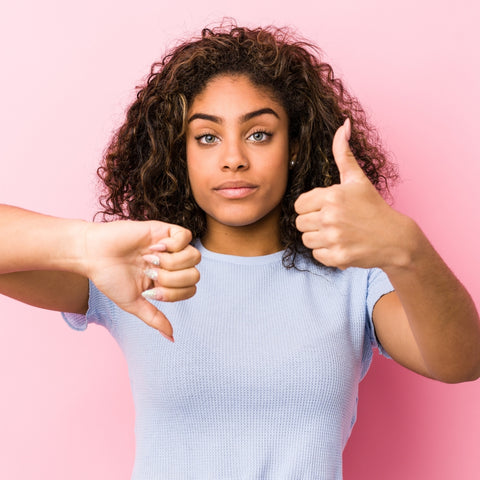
[(262, 380)]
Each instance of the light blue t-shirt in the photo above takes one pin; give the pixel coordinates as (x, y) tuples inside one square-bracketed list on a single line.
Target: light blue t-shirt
[(262, 380)]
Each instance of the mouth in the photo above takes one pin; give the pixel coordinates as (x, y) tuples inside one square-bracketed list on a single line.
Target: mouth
[(235, 190)]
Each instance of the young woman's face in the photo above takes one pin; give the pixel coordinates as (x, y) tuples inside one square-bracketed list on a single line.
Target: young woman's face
[(237, 152)]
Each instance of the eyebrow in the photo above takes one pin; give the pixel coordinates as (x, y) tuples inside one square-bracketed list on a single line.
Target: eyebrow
[(243, 118)]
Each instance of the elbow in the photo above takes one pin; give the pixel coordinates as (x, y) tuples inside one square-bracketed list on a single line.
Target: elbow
[(458, 379), (462, 375), (471, 376)]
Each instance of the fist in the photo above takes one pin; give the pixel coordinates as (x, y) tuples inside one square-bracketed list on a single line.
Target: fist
[(133, 262)]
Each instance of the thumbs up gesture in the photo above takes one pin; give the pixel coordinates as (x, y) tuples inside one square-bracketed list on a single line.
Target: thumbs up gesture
[(350, 224)]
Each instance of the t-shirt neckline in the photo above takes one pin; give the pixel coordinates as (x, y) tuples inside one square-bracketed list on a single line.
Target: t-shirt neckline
[(257, 260)]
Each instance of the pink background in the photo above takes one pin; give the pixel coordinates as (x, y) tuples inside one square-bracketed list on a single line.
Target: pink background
[(68, 71)]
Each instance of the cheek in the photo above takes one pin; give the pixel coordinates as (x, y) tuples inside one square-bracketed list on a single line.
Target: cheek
[(193, 180), (197, 180), (282, 172), (193, 170)]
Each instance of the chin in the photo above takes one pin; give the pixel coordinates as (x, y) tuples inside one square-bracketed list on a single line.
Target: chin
[(243, 217), (242, 221), (238, 223)]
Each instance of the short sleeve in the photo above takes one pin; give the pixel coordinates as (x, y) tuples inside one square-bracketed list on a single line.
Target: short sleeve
[(100, 311), (378, 286)]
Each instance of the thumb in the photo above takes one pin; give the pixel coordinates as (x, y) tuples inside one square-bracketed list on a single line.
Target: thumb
[(347, 164), (153, 317)]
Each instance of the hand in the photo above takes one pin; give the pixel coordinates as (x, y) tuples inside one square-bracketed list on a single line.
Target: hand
[(350, 224), (131, 261)]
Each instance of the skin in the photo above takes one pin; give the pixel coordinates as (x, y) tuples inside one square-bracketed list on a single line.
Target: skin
[(237, 156), (46, 262), (429, 324)]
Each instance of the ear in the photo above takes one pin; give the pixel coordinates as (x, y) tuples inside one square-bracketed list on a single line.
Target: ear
[(293, 151), (293, 148)]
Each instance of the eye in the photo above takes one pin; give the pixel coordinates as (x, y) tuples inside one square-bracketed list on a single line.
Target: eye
[(260, 136), (207, 139)]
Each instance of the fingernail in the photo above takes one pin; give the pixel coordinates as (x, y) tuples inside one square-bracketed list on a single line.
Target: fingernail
[(152, 294), (348, 129), (159, 247), (153, 259), (168, 337), (151, 274)]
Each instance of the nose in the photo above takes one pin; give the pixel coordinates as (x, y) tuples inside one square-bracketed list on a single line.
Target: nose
[(235, 158)]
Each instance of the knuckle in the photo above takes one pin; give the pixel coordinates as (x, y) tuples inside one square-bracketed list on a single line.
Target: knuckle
[(187, 235), (190, 292), (317, 220), (171, 296), (162, 276), (334, 236), (177, 294), (155, 320), (181, 236), (323, 257), (194, 254), (334, 194), (166, 261), (298, 205), (299, 223), (341, 258), (308, 239), (329, 216), (195, 276), (168, 295)]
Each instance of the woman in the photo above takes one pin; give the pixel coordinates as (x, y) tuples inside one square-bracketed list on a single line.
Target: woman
[(244, 151)]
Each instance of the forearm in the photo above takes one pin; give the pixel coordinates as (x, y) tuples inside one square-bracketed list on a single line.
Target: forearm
[(31, 241), (441, 313), (41, 260), (51, 290), (58, 256)]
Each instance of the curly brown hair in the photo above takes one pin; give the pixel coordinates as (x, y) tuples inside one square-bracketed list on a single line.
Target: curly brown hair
[(144, 171)]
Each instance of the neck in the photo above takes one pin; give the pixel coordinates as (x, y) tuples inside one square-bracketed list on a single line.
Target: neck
[(260, 238)]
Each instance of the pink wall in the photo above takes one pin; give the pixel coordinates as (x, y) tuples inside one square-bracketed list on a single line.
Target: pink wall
[(67, 74)]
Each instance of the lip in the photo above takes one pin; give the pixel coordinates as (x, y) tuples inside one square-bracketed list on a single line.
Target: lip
[(235, 189)]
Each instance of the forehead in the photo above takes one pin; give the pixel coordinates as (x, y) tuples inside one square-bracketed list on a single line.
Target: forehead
[(233, 93)]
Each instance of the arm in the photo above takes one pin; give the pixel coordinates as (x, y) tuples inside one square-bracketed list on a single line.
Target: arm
[(41, 256), (38, 262), (430, 323), (434, 310), (52, 290)]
